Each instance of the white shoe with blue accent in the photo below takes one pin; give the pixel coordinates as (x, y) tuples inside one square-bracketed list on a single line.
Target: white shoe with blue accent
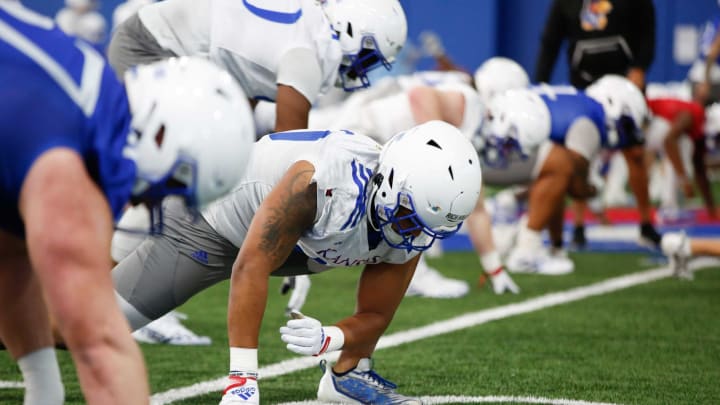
[(676, 246), (168, 330), (360, 385), (539, 262)]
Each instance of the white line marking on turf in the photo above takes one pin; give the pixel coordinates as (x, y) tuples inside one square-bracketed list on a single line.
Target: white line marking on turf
[(11, 384), (455, 399), (442, 327)]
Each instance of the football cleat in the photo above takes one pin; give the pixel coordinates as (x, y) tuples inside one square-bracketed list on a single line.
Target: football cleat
[(429, 283), (676, 246), (539, 262), (241, 390), (360, 385), (168, 330)]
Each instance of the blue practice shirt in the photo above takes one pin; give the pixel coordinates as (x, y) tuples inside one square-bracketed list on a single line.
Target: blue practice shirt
[(56, 91), (566, 104)]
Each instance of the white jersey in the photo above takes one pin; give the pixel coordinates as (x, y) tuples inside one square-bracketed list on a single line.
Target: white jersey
[(384, 111), (126, 9), (344, 163), (262, 43)]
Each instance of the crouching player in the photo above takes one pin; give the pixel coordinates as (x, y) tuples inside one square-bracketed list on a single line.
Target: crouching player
[(75, 149), (327, 199), (546, 137)]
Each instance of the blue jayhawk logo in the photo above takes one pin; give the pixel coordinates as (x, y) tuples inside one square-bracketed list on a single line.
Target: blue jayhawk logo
[(593, 15)]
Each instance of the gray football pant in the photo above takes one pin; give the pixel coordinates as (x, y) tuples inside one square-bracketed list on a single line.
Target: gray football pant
[(132, 44), (188, 257)]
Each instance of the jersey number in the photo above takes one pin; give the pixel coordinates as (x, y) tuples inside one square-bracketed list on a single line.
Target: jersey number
[(85, 95)]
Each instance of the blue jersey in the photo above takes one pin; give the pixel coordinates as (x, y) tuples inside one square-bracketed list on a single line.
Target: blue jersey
[(57, 92), (567, 104)]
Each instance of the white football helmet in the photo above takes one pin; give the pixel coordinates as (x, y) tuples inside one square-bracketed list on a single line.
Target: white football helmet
[(428, 181), (498, 74), (626, 110), (516, 122), (712, 126), (371, 33), (192, 130)]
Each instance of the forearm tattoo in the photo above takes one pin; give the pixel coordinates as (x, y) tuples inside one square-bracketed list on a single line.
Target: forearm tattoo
[(286, 221)]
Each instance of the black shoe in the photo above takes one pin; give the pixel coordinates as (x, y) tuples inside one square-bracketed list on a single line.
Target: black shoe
[(649, 237), (579, 241)]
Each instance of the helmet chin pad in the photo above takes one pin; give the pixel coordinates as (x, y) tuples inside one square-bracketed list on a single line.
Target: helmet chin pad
[(399, 228)]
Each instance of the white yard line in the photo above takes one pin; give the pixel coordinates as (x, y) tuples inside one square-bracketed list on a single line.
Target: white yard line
[(460, 399), (11, 384), (443, 327)]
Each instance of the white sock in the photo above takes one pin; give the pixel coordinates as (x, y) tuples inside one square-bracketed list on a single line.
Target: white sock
[(243, 361), (490, 261), (528, 240), (41, 373)]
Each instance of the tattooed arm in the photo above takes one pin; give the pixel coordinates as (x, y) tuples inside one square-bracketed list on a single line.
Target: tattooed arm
[(285, 213)]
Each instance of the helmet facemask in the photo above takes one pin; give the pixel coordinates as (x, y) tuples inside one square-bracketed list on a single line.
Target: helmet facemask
[(399, 223), (498, 149), (355, 67)]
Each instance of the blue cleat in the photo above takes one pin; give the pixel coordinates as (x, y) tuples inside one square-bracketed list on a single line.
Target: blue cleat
[(360, 385)]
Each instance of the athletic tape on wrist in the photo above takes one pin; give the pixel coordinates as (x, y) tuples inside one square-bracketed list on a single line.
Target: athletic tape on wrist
[(332, 339)]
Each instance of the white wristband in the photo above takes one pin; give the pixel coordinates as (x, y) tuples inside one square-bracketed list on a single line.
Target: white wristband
[(334, 339)]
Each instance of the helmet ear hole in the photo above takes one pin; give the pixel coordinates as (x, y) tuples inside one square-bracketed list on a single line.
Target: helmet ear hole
[(160, 136)]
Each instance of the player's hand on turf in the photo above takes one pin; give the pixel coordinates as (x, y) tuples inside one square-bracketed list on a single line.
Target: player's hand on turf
[(304, 335), (502, 282)]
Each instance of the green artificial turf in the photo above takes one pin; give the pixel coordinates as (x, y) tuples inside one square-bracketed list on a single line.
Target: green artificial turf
[(656, 343)]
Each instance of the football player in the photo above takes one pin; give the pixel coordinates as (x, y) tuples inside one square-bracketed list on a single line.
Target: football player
[(306, 47), (398, 103), (73, 156), (327, 199), (547, 136), (672, 120)]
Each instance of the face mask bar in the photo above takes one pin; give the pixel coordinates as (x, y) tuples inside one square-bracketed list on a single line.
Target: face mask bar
[(497, 151), (355, 68), (408, 240), (181, 180)]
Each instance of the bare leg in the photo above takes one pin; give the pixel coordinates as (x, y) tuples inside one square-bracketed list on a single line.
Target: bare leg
[(24, 325), (638, 178), (479, 228), (24, 322), (549, 188), (705, 247)]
